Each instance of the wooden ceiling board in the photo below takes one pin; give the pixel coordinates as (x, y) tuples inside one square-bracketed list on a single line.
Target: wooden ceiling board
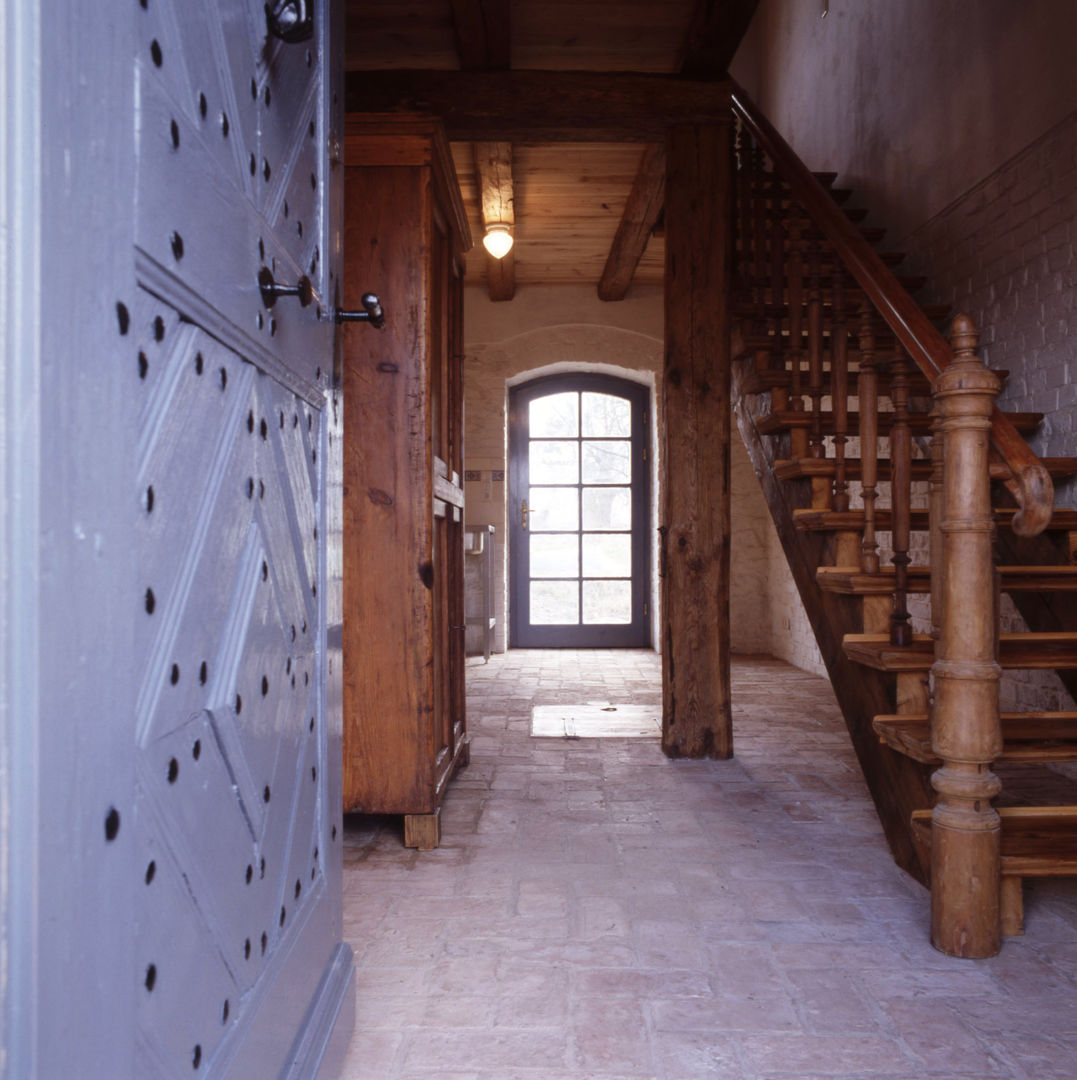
[(600, 35), (384, 34), (568, 202), (569, 197)]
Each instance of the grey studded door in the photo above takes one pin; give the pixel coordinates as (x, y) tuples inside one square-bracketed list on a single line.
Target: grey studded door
[(238, 961)]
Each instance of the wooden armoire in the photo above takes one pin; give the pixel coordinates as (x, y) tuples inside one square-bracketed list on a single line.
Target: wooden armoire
[(405, 233)]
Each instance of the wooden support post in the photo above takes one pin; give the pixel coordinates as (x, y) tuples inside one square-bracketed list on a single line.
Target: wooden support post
[(966, 730), (696, 713)]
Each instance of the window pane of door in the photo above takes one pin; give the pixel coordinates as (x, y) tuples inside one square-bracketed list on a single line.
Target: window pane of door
[(555, 416), (607, 462), (607, 555), (553, 509), (607, 508), (554, 462), (554, 555), (606, 415), (555, 603), (607, 602)]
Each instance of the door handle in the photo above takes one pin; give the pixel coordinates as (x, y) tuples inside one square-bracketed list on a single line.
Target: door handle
[(290, 20), (271, 291), (372, 312), (524, 511)]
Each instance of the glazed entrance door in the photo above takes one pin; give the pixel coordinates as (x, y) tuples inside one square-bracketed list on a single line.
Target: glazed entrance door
[(578, 514)]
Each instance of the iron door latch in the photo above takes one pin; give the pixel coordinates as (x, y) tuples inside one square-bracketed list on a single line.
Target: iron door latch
[(372, 312)]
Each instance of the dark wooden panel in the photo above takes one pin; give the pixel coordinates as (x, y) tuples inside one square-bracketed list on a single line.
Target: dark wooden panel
[(388, 610)]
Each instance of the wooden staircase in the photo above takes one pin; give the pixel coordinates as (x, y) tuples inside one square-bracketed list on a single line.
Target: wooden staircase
[(880, 496)]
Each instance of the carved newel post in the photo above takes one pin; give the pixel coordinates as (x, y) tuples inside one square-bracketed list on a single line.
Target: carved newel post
[(966, 731)]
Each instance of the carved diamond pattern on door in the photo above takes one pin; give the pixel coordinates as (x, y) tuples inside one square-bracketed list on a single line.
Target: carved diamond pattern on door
[(237, 717), (229, 147), (229, 807)]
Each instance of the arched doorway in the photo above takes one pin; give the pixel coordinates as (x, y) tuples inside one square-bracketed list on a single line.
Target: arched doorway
[(579, 502)]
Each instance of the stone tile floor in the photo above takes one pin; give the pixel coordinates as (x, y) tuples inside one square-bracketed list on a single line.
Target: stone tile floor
[(598, 912)]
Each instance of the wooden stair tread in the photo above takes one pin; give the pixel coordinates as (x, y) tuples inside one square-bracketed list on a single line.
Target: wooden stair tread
[(1041, 651), (1036, 841), (1026, 737), (788, 419), (852, 581), (809, 520), (808, 468)]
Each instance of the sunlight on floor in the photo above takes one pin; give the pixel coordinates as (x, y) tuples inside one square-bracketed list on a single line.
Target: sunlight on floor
[(597, 720)]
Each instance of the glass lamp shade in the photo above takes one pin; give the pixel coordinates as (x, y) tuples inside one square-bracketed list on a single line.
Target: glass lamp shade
[(498, 240)]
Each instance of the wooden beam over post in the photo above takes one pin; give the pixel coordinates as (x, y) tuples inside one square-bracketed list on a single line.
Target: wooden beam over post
[(482, 31), (696, 708), (493, 172), (641, 213), (542, 106), (483, 43), (714, 35)]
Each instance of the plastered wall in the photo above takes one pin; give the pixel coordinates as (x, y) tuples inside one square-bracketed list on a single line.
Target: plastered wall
[(547, 329)]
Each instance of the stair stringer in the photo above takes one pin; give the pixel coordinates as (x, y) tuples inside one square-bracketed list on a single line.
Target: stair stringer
[(898, 785)]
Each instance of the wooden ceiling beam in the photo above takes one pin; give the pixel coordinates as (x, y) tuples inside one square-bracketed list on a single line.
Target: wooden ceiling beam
[(483, 44), (641, 213), (481, 28), (493, 175), (714, 35), (542, 106)]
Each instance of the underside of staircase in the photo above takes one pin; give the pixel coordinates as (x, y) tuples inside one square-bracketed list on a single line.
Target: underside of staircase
[(833, 400)]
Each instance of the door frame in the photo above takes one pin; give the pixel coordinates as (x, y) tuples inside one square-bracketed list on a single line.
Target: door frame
[(636, 634)]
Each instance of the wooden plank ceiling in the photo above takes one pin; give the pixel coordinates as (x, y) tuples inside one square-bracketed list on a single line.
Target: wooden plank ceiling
[(568, 198)]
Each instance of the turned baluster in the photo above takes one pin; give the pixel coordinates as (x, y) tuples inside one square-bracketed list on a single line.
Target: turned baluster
[(815, 354), (867, 391), (746, 195), (759, 214), (900, 497), (798, 436), (839, 393), (777, 253), (966, 729)]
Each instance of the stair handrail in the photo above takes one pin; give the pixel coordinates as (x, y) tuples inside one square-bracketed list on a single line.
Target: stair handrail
[(1030, 483)]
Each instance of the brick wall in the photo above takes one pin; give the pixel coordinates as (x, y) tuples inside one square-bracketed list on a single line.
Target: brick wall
[(1004, 253)]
